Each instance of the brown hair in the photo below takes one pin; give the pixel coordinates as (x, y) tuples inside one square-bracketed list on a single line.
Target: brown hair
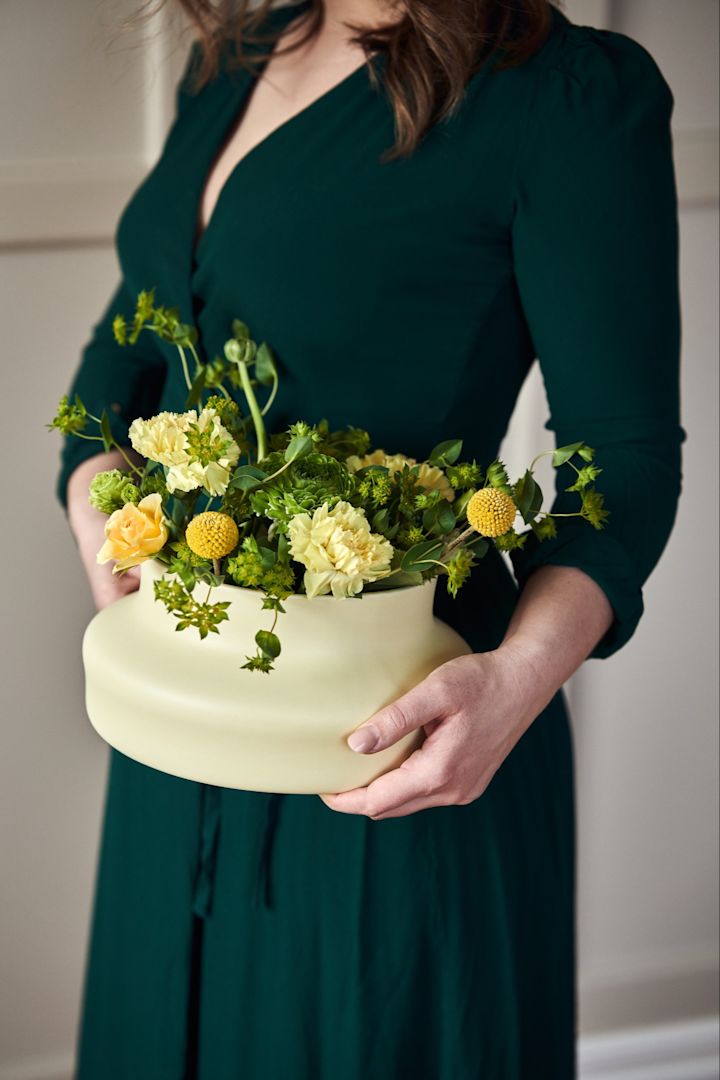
[(432, 49)]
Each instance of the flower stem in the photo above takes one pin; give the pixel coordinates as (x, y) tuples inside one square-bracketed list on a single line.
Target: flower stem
[(186, 373), (254, 409)]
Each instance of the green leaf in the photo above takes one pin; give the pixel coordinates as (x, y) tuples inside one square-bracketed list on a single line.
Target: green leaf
[(268, 643), (395, 581), (247, 477), (528, 497), (106, 431), (446, 453), (298, 447), (265, 369), (564, 453), (416, 559), (240, 330), (479, 546)]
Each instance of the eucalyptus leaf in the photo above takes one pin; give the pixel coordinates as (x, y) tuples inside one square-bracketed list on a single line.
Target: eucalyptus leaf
[(564, 453), (298, 447), (265, 369), (416, 559), (395, 581), (268, 643), (446, 453), (528, 497)]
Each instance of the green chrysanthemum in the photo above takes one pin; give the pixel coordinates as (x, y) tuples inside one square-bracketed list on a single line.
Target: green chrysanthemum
[(306, 485)]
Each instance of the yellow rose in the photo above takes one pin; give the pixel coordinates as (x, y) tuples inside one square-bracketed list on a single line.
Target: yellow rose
[(134, 533), (428, 476), (338, 550)]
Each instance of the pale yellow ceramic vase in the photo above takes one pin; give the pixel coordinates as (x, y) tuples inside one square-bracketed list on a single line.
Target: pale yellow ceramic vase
[(187, 707)]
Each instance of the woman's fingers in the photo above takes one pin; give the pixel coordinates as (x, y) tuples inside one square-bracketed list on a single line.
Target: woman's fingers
[(419, 777)]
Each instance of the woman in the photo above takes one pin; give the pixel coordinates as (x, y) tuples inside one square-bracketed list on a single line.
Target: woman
[(421, 927)]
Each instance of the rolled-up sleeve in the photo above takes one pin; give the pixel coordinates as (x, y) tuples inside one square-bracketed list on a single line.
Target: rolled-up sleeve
[(595, 248), (127, 381), (124, 380)]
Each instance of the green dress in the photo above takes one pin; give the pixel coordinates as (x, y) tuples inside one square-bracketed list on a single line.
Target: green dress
[(245, 936)]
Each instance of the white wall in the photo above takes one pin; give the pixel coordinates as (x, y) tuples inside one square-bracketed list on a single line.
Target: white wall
[(86, 125)]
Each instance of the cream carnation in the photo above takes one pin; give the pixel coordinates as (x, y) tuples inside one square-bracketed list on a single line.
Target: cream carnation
[(197, 450), (162, 437), (338, 550), (428, 476)]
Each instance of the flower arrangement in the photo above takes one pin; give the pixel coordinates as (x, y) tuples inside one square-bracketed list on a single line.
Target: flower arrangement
[(220, 499)]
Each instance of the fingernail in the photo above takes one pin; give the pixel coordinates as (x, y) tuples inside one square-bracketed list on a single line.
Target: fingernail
[(364, 739)]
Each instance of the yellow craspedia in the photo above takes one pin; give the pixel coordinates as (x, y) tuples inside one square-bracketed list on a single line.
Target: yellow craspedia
[(212, 535), (491, 512)]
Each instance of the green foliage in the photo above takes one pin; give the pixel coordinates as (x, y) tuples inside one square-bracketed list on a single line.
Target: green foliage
[(545, 528), (300, 488), (593, 509), (466, 474), (510, 540), (71, 418), (374, 485), (178, 601), (111, 489), (446, 453), (342, 444), (528, 497), (585, 477), (496, 476), (458, 570)]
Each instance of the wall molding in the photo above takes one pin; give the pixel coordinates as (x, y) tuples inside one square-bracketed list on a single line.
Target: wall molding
[(687, 1051)]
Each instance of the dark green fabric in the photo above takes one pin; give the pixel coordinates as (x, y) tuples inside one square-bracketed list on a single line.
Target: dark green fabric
[(241, 935)]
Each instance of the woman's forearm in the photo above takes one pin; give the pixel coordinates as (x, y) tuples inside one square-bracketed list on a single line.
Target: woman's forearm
[(560, 617)]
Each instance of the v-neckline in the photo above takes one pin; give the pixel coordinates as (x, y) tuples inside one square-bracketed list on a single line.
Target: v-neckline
[(238, 103)]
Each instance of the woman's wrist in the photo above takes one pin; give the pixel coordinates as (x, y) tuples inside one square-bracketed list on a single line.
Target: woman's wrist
[(559, 618)]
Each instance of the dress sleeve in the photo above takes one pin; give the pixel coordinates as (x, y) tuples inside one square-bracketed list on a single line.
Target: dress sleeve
[(595, 248), (127, 380)]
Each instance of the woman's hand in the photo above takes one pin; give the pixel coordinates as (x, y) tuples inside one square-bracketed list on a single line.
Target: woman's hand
[(88, 528), (474, 709)]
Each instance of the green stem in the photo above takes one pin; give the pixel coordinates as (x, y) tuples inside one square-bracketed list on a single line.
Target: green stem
[(271, 398), (459, 539), (542, 454), (186, 373), (254, 409), (98, 438), (193, 350)]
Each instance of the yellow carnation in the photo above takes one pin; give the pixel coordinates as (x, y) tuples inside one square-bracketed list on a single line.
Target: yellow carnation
[(134, 533), (338, 550), (428, 476), (212, 535), (491, 512)]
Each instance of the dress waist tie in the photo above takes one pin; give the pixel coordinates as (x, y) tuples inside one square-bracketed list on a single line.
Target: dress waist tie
[(264, 807), (262, 895)]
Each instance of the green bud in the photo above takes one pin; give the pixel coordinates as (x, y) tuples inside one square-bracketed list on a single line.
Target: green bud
[(111, 490)]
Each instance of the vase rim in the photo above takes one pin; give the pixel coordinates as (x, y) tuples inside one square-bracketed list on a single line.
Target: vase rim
[(160, 569)]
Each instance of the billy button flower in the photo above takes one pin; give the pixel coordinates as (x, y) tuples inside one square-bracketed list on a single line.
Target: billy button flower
[(212, 535), (491, 511)]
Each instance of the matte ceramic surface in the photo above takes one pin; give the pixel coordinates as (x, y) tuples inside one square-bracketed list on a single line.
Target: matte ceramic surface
[(186, 706)]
